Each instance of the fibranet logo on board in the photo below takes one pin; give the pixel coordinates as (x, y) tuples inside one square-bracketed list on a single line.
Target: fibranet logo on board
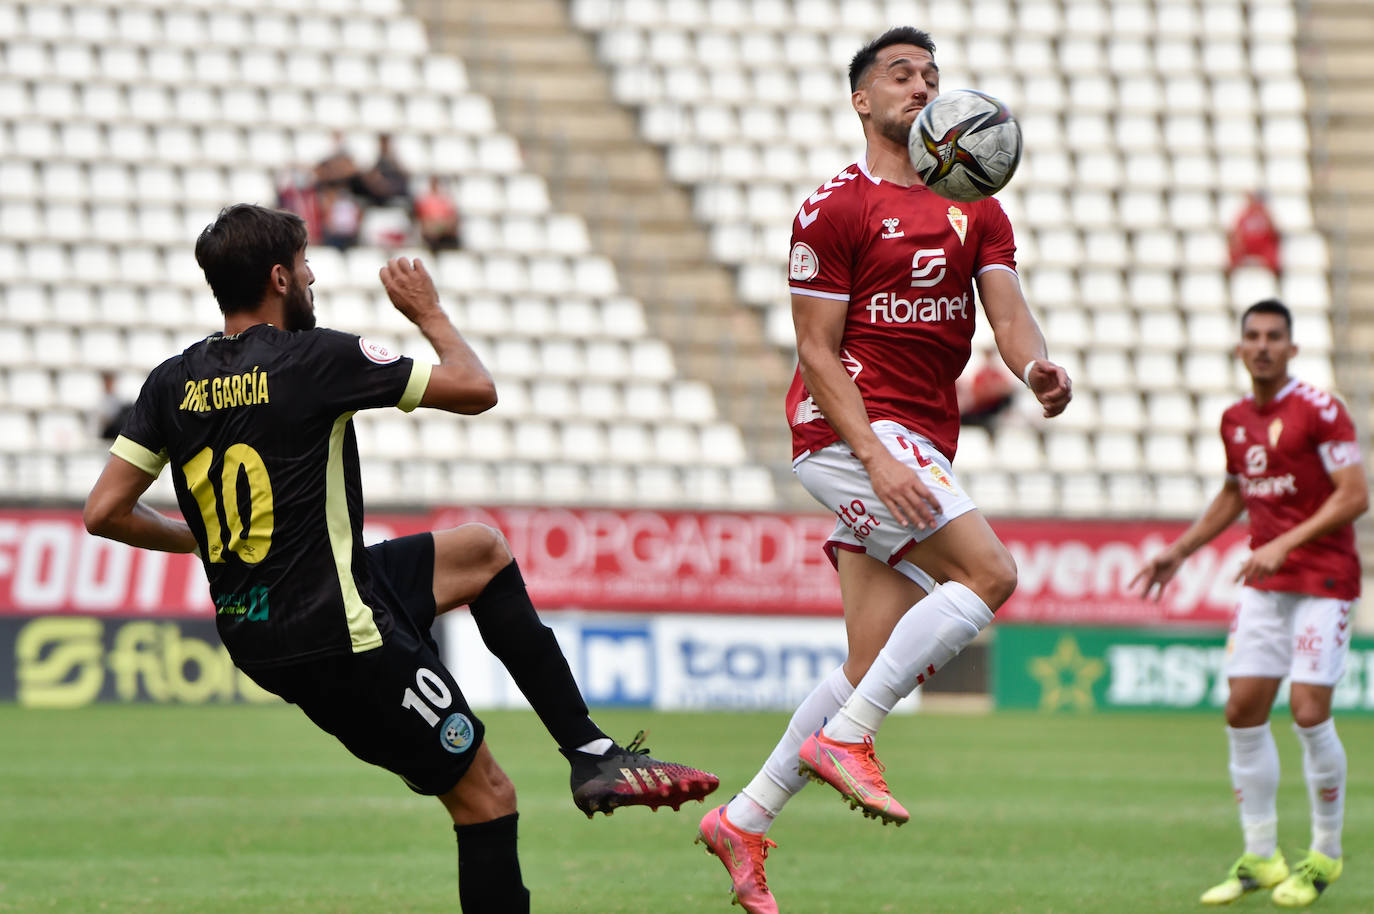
[(72, 661)]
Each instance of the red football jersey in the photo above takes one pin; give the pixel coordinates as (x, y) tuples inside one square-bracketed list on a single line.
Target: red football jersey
[(904, 259), (1281, 454)]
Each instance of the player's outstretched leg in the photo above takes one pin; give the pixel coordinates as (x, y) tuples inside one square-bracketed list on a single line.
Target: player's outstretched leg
[(629, 776), (1248, 874), (1309, 879), (854, 770), (743, 854)]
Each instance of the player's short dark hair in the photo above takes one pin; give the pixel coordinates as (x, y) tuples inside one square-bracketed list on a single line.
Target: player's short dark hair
[(239, 249), (902, 34), (1269, 306)]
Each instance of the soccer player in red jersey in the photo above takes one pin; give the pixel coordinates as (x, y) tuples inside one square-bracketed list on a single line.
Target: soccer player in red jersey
[(882, 278), (1292, 462)]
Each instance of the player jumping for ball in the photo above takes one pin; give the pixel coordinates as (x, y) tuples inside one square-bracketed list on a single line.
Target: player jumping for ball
[(257, 425), (882, 275), (1293, 462)]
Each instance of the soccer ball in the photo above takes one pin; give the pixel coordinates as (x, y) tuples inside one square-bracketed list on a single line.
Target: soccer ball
[(965, 145)]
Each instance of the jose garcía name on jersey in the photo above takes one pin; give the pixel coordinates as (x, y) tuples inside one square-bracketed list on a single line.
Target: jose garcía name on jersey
[(246, 389)]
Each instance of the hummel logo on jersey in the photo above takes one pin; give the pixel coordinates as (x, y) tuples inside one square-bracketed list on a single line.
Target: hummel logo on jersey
[(1238, 436), (890, 228)]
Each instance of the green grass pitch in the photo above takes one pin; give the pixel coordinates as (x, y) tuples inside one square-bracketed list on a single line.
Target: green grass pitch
[(241, 809)]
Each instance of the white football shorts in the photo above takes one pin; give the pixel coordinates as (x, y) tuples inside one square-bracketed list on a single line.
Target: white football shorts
[(1276, 634), (838, 480)]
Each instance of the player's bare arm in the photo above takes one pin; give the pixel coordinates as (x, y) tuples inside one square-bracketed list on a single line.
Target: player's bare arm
[(1348, 500), (1225, 508), (1020, 342), (460, 382), (113, 510), (819, 323)]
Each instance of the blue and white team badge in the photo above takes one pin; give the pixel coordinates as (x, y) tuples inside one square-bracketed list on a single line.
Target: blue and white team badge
[(456, 733)]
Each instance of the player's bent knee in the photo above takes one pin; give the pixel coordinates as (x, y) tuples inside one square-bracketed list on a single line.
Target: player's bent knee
[(1241, 713), (485, 546), (484, 792), (998, 579), (1309, 714)]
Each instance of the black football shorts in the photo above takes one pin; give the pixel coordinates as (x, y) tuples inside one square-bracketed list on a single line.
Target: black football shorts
[(395, 706)]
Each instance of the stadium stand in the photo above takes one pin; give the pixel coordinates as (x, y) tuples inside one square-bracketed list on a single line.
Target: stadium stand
[(124, 127), (1145, 125)]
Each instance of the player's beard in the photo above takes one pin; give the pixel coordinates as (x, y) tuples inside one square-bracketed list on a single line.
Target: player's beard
[(299, 307), (897, 130)]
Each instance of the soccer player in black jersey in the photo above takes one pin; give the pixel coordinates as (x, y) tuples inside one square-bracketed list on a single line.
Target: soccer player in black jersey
[(255, 422)]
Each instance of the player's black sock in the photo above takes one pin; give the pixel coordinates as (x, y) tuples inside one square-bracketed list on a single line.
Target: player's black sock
[(511, 629), (489, 869)]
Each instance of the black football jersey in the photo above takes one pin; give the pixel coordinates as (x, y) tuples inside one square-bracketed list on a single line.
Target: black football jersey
[(257, 429)]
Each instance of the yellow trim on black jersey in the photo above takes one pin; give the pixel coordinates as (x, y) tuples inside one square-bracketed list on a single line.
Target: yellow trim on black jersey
[(362, 628), (135, 453), (415, 387)]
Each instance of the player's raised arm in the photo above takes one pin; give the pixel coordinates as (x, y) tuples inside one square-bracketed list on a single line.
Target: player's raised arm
[(460, 382), (1020, 342)]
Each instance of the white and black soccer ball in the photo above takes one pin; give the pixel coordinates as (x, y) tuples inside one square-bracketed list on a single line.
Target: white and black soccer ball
[(965, 145)]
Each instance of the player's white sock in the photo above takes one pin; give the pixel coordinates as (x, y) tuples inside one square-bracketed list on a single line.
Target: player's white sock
[(933, 631), (1255, 780), (597, 746), (778, 781), (1323, 764)]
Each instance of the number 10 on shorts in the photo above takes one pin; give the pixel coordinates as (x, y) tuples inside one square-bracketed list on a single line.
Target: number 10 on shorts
[(435, 692)]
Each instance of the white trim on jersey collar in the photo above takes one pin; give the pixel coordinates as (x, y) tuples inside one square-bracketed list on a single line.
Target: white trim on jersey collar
[(1283, 392), (1287, 389), (862, 165)]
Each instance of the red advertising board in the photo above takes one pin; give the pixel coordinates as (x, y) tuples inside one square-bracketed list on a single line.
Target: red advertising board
[(647, 560)]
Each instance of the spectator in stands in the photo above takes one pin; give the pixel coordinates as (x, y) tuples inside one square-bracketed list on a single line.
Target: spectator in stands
[(112, 410), (341, 218), (297, 193), (985, 392), (338, 169), (387, 181), (1254, 239), (436, 216)]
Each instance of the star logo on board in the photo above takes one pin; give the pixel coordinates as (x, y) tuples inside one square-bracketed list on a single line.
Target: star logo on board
[(1066, 677)]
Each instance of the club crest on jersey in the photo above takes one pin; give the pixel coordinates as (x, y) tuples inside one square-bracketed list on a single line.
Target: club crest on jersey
[(804, 265), (941, 477), (1275, 430), (958, 221), (376, 352), (890, 228)]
